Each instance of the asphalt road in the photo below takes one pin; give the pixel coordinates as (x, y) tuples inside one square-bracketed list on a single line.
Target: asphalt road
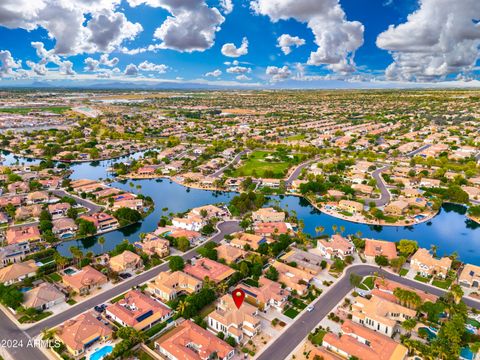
[(92, 208), (296, 173), (384, 193), (305, 323), (420, 149), (235, 160), (9, 330)]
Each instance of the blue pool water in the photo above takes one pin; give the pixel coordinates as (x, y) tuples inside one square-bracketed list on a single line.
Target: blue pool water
[(466, 354), (101, 353), (25, 289)]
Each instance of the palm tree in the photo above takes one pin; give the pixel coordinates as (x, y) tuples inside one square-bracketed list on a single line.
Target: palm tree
[(182, 306), (409, 324), (101, 241), (359, 234), (456, 292), (342, 229), (207, 282), (222, 288), (48, 333), (319, 229), (334, 228), (433, 248)]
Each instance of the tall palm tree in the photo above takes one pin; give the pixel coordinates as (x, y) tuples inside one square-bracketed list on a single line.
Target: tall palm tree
[(342, 229), (434, 250), (456, 292), (222, 288), (101, 241), (334, 228), (359, 234), (182, 306)]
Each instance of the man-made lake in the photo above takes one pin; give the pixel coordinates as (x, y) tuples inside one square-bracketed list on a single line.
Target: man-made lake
[(450, 230)]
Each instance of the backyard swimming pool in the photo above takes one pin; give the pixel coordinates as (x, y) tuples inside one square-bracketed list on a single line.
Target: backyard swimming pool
[(101, 353)]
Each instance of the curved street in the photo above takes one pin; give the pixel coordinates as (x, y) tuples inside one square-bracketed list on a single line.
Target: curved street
[(384, 193)]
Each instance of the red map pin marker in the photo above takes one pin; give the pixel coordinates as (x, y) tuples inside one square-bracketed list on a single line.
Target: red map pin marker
[(238, 297)]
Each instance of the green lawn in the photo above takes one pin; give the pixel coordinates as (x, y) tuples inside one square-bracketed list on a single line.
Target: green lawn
[(473, 322), (367, 283), (26, 110), (55, 277), (318, 337), (443, 284), (422, 279), (118, 298), (155, 329), (71, 302), (207, 310), (291, 313), (403, 272), (298, 303), (258, 166)]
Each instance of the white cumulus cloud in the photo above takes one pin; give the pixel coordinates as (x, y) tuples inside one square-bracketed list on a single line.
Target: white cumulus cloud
[(78, 26), (277, 73), (231, 50), (336, 37), (286, 42), (227, 6), (442, 37), (214, 73), (148, 66), (191, 27), (131, 70), (8, 64), (239, 70)]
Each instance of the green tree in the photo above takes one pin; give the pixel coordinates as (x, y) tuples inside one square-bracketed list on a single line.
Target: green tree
[(272, 273), (355, 280), (176, 263), (407, 247)]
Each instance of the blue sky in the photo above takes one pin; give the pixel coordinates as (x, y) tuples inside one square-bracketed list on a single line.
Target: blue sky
[(386, 41)]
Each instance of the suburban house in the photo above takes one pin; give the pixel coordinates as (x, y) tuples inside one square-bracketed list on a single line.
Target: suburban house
[(64, 227), (242, 239), (397, 208), (293, 278), (192, 222), (20, 234), (379, 314), (126, 261), (37, 197), (138, 310), (210, 211), (79, 334), (58, 209), (380, 248), (84, 280), (102, 221), (192, 342), (362, 343), (17, 272), (268, 215), (13, 253), (205, 267), (167, 286), (230, 254), (470, 276), (424, 263), (304, 260), (43, 297), (385, 288), (350, 206), (233, 321), (268, 293), (152, 244), (338, 246), (272, 228)]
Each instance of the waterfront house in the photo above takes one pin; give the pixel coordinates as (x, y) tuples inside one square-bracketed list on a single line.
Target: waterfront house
[(126, 261), (338, 246), (375, 248), (84, 280), (18, 272), (426, 265)]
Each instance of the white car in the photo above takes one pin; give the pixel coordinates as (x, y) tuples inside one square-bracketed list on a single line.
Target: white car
[(310, 308)]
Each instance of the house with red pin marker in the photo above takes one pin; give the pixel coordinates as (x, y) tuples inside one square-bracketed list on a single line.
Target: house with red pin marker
[(234, 317)]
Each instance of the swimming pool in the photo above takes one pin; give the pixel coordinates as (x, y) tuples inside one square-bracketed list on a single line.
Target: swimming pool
[(431, 332), (466, 354), (25, 289), (101, 353)]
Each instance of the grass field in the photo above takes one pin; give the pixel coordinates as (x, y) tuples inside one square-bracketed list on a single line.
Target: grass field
[(258, 165), (403, 272), (367, 283), (443, 284), (422, 279), (26, 110), (291, 313)]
